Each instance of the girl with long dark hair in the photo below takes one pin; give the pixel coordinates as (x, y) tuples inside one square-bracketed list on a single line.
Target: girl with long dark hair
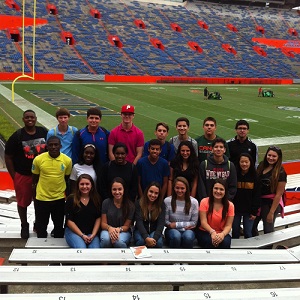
[(150, 217), (216, 217), (185, 164), (272, 179), (247, 198), (117, 216), (83, 212)]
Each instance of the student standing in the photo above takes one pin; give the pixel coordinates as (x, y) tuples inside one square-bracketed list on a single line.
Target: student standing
[(64, 131), (119, 167), (88, 164), (167, 148), (241, 143), (186, 165), (91, 134), (83, 215), (247, 199), (272, 179), (150, 217), (181, 215), (217, 166), (20, 150), (153, 168), (50, 171), (182, 127), (205, 141), (129, 134)]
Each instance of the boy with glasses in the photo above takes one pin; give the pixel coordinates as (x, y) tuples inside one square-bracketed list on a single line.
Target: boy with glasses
[(241, 143)]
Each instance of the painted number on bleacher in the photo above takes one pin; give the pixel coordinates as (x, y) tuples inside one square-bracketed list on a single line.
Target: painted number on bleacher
[(249, 252), (128, 270), (61, 298), (79, 251), (207, 295), (73, 269), (281, 268), (182, 269), (123, 251), (16, 269), (207, 251), (166, 251), (273, 294), (135, 297), (34, 251), (233, 268)]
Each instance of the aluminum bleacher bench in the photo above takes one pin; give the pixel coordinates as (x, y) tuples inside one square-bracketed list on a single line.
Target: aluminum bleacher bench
[(267, 239), (159, 256), (174, 275), (250, 243), (247, 294), (289, 219)]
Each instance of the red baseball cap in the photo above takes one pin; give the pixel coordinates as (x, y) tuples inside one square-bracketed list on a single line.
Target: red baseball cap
[(127, 108)]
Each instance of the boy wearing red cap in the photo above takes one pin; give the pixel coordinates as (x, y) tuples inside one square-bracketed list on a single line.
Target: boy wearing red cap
[(129, 134)]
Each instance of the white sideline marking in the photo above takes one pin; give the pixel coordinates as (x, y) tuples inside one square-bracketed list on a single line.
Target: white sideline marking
[(44, 118)]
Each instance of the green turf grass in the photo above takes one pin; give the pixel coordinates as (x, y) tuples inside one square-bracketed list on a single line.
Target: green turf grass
[(156, 103)]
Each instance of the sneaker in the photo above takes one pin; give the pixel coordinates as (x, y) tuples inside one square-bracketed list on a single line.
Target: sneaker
[(25, 231)]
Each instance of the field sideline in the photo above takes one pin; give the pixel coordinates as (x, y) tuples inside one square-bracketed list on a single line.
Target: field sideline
[(272, 120)]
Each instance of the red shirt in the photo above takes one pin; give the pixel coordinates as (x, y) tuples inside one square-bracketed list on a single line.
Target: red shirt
[(132, 138)]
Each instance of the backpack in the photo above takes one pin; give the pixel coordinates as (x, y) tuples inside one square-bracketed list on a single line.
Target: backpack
[(71, 128)]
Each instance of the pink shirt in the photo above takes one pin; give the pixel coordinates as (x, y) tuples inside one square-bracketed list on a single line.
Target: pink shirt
[(132, 138), (215, 220)]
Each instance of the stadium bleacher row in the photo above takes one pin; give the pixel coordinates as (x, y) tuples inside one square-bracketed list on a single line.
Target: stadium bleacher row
[(92, 53)]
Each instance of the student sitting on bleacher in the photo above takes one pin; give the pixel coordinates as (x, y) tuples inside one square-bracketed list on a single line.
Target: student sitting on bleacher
[(83, 212), (117, 216), (150, 217), (181, 215), (216, 217)]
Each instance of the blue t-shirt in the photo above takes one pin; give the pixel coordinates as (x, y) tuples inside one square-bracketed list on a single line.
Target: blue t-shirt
[(167, 150), (152, 172)]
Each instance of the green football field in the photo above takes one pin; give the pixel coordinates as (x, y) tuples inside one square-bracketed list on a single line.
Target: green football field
[(273, 120)]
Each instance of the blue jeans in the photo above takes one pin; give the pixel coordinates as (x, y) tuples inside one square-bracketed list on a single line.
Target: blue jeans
[(139, 241), (123, 242), (180, 239), (247, 226), (204, 240), (75, 241)]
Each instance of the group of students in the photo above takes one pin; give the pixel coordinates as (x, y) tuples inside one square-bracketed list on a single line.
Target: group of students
[(187, 188)]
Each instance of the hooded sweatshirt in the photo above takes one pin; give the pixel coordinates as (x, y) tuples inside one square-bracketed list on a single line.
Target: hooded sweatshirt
[(211, 170)]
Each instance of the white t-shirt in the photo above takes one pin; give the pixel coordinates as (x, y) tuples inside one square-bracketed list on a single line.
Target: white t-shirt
[(83, 169)]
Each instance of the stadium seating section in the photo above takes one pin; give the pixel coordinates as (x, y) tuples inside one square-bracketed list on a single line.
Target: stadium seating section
[(112, 42)]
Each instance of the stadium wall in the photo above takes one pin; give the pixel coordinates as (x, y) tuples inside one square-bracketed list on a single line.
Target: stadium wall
[(39, 77), (146, 79)]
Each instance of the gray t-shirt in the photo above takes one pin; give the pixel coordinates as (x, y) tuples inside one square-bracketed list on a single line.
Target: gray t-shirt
[(114, 215)]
